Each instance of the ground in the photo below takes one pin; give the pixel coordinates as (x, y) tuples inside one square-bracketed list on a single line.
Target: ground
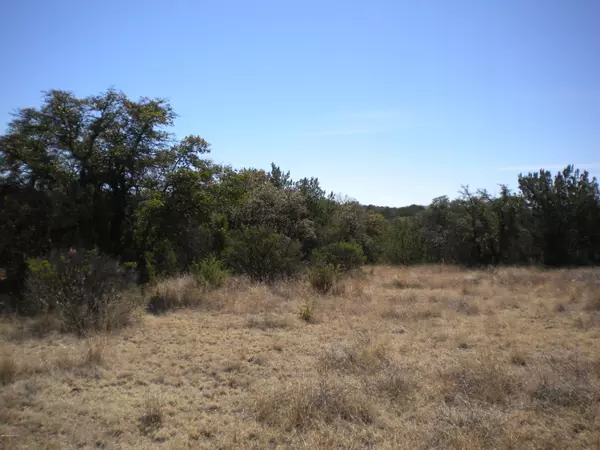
[(425, 357)]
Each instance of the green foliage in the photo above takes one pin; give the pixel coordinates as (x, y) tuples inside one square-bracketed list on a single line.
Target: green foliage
[(209, 272), (391, 213), (307, 311), (84, 289), (322, 277), (342, 256), (106, 172), (263, 255), (403, 242), (281, 210), (564, 213)]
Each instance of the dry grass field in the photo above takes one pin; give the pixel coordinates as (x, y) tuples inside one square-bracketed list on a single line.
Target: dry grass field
[(426, 357)]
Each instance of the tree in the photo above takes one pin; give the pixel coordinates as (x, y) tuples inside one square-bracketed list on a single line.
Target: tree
[(564, 215), (278, 178), (281, 210), (403, 242), (86, 164)]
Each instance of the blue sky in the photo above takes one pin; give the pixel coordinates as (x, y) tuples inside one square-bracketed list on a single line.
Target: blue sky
[(391, 102)]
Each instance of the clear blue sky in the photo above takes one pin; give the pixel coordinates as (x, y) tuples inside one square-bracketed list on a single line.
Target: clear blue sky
[(391, 102)]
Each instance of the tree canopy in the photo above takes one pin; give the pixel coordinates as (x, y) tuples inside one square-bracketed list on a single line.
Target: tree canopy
[(106, 172)]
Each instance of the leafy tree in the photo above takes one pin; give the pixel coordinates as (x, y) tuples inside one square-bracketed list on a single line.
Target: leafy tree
[(278, 178), (86, 164), (403, 243), (564, 214), (280, 210)]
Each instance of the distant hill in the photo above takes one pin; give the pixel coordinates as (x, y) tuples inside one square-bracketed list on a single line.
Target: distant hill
[(390, 212)]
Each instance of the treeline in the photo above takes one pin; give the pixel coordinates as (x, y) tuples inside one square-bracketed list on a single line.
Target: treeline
[(105, 172), (390, 212)]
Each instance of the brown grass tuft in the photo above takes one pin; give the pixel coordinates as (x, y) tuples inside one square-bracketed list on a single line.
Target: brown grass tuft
[(399, 283), (152, 417), (482, 379), (175, 293), (95, 353), (568, 382), (518, 358), (267, 321), (360, 354), (393, 383), (593, 302), (8, 369), (313, 402)]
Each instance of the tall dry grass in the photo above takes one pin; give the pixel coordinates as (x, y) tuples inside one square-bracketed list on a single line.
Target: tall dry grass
[(420, 357)]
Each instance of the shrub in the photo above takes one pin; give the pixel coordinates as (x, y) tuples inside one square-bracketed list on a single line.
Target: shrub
[(263, 255), (209, 272), (343, 256), (307, 311), (322, 277), (84, 289)]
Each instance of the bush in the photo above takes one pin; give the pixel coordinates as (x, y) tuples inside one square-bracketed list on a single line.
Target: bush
[(307, 311), (322, 277), (209, 272), (263, 255), (343, 256), (84, 289)]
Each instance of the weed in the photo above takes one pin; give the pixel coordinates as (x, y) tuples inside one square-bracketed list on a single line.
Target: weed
[(307, 311)]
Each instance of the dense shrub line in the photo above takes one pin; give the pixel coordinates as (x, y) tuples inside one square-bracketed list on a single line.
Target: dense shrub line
[(104, 172)]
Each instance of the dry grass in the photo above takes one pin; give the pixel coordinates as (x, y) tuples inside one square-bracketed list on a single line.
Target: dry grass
[(314, 403), (426, 357), (268, 322), (152, 417), (8, 369)]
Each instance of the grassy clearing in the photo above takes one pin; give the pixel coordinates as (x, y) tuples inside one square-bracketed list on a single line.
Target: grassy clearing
[(427, 357)]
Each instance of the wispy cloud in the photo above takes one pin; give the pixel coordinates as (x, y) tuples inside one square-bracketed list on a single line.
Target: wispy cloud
[(548, 167)]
